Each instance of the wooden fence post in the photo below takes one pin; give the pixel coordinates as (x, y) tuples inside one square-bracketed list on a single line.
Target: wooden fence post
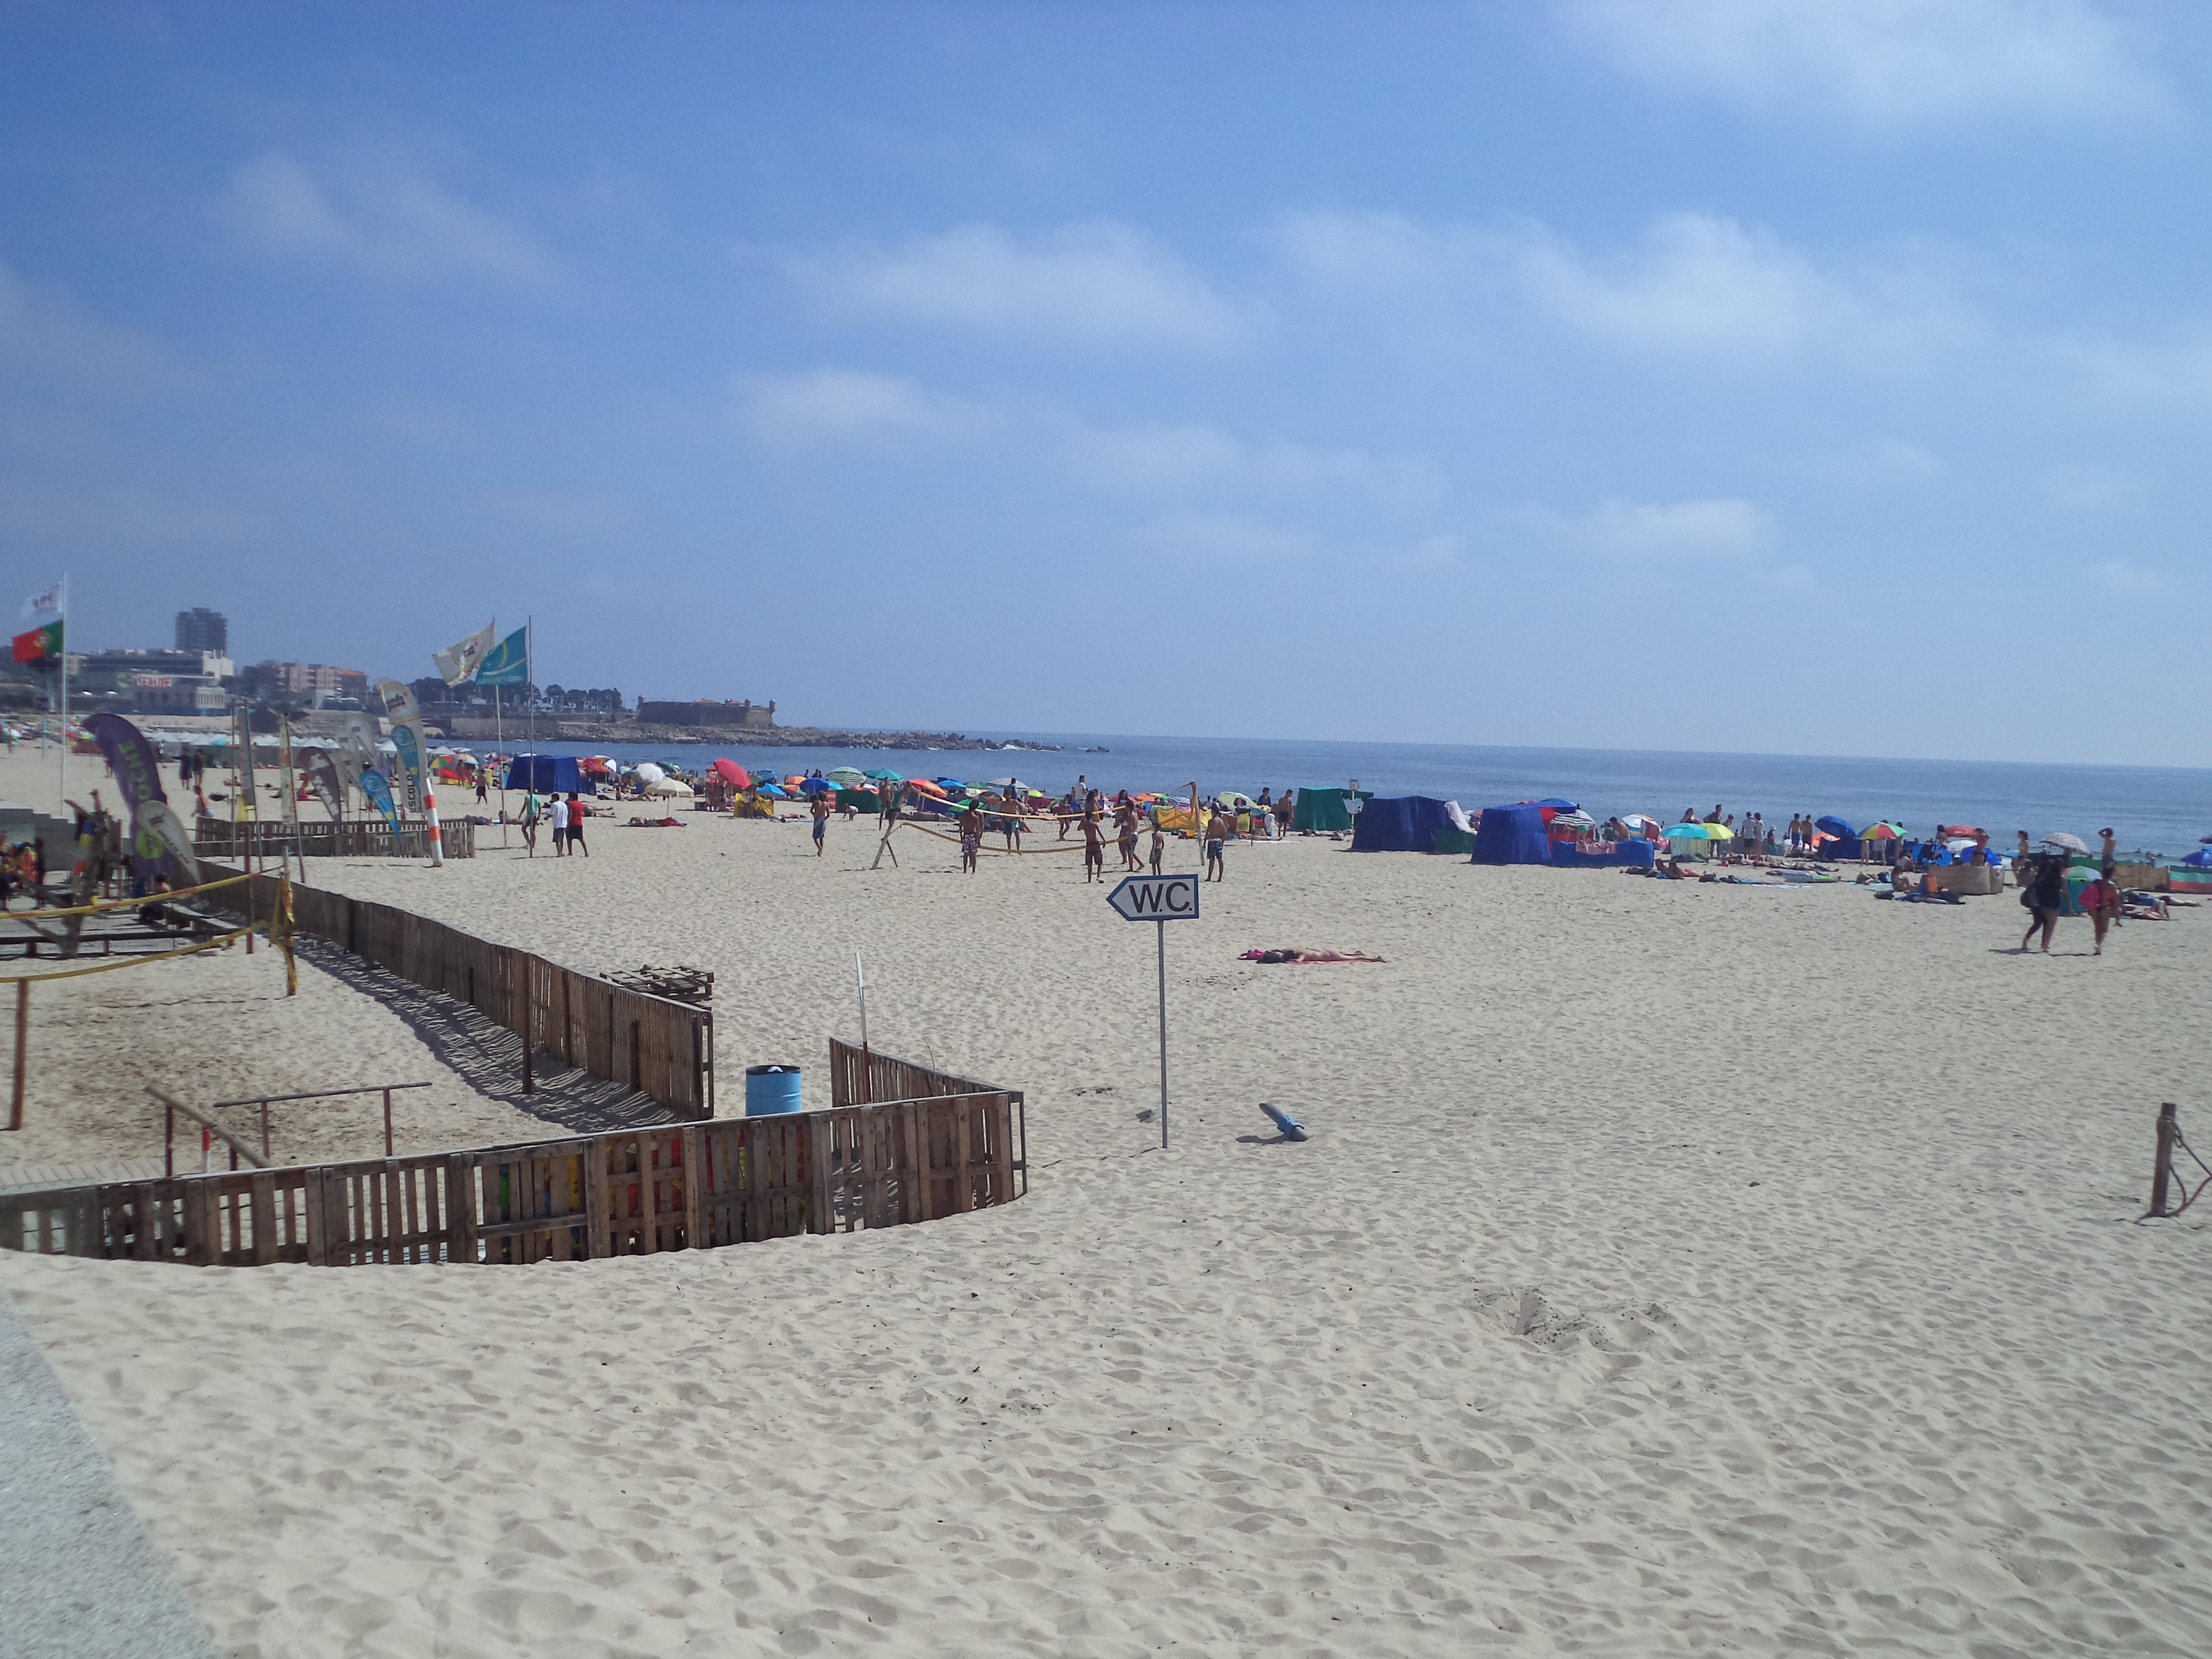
[(23, 1041), (2162, 1173)]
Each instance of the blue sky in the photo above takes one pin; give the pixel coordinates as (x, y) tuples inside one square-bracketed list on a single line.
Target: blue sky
[(1805, 376)]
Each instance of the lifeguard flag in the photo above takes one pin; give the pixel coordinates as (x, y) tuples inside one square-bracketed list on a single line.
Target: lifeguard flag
[(40, 643)]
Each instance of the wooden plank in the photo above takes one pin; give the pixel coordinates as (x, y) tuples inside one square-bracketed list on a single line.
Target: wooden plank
[(264, 1217), (694, 1187), (820, 1218), (460, 1208), (598, 1197), (963, 1154)]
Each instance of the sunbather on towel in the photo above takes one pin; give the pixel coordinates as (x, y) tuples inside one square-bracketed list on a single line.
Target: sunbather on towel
[(1305, 954)]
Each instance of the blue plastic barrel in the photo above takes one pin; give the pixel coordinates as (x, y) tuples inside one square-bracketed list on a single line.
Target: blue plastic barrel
[(770, 1089)]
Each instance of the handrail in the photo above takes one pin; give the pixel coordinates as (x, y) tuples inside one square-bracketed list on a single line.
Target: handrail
[(264, 1102), (168, 1133), (317, 1094)]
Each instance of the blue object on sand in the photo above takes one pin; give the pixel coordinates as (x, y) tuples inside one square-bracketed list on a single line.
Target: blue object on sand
[(1291, 1128)]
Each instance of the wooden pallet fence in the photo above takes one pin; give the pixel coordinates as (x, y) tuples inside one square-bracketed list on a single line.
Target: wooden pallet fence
[(656, 1045), (271, 838), (672, 1186)]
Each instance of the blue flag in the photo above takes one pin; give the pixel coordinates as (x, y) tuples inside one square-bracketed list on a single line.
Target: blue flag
[(373, 786), (507, 663)]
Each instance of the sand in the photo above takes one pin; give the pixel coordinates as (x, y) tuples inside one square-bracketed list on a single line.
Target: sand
[(1673, 1269)]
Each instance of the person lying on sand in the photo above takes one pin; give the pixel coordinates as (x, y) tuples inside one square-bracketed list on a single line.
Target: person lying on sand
[(1305, 954)]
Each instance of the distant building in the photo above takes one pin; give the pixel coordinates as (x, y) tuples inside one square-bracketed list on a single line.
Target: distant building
[(181, 681), (708, 711), (301, 682), (204, 631)]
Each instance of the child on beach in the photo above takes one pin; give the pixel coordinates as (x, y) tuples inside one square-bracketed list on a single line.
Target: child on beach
[(1094, 849), (971, 839), (1159, 846), (2100, 901), (1216, 831), (818, 807)]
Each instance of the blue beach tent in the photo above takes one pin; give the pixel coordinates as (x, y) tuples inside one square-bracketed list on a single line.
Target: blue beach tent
[(1398, 824), (1511, 834), (1625, 854), (547, 774)]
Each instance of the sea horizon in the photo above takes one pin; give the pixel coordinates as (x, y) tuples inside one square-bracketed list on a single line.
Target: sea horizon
[(2165, 810)]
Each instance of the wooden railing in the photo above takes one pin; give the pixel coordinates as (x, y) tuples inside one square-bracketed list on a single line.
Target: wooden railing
[(659, 1047), (691, 1186), (270, 838)]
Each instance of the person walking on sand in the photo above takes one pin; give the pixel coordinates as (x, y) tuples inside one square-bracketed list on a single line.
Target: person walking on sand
[(2101, 900), (533, 809), (576, 827), (1094, 849), (1216, 831), (971, 839), (559, 814), (2045, 894), (481, 796), (818, 808)]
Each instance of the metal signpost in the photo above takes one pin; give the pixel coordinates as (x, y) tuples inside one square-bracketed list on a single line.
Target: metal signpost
[(1161, 899)]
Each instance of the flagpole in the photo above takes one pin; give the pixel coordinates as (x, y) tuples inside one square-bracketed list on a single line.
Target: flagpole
[(529, 690), (65, 644), (499, 742)]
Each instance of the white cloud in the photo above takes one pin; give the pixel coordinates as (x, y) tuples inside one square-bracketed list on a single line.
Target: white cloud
[(845, 406), (2124, 577), (384, 222), (1693, 283), (1726, 527), (1880, 63), (50, 338), (1226, 537), (2177, 368), (1182, 458), (1094, 284)]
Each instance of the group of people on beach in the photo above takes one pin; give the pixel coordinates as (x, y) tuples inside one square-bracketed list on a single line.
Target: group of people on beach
[(566, 813)]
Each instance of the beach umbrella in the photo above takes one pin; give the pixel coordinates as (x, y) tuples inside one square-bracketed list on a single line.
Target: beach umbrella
[(851, 776), (669, 787), (1574, 821), (648, 773), (1691, 831), (2066, 842), (881, 776), (1969, 830), (815, 786), (774, 791), (1880, 832), (732, 774)]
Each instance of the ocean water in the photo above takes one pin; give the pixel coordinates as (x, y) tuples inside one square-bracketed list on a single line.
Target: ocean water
[(2165, 809)]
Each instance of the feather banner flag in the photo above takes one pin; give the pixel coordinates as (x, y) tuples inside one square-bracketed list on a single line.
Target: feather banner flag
[(457, 663), (507, 663)]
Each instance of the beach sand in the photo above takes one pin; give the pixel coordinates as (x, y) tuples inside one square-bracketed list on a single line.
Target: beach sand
[(1673, 1269)]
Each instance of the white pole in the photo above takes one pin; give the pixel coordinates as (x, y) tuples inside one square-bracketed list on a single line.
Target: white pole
[(499, 742), (1163, 928), (65, 710)]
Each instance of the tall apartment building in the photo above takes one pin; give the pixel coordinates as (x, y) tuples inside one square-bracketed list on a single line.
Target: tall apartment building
[(202, 629)]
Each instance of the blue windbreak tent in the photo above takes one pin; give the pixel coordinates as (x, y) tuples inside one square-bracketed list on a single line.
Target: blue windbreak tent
[(549, 774), (1511, 834), (1625, 854), (1398, 824)]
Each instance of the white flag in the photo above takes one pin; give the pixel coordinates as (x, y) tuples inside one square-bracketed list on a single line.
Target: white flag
[(51, 602), (461, 662)]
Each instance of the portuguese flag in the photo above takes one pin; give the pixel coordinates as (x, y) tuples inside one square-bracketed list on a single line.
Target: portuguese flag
[(40, 643)]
